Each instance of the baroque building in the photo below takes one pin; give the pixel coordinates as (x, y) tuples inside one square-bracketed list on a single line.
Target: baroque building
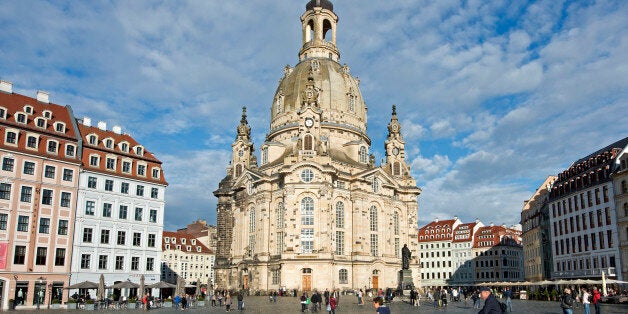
[(316, 211)]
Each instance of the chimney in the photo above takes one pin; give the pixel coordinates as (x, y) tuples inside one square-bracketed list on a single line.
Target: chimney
[(6, 86), (102, 125), (42, 96), (117, 129), (87, 121), (455, 217)]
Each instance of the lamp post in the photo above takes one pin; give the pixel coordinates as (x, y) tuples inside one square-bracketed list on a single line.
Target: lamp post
[(49, 294)]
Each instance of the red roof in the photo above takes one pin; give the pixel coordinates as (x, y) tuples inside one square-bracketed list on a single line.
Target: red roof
[(496, 235), (464, 232), (437, 231), (178, 240)]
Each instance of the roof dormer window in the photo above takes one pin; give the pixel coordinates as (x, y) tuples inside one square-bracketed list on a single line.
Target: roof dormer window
[(40, 122), (28, 109), (174, 240), (198, 249), (60, 127), (167, 240), (156, 173), (193, 241), (139, 150), (20, 118), (109, 143), (124, 146), (3, 113), (92, 139), (183, 240), (189, 248), (47, 114), (167, 246)]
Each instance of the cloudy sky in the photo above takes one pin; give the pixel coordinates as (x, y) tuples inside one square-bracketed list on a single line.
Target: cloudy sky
[(493, 96)]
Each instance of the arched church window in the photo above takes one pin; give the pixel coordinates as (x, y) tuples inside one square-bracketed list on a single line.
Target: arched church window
[(373, 218), (396, 168), (252, 220), (307, 211), (363, 157), (396, 223), (326, 29), (375, 185), (340, 215), (309, 32), (238, 170), (308, 142)]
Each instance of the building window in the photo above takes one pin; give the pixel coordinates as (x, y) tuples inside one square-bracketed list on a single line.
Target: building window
[(31, 142), (69, 150), (7, 164), (63, 227), (139, 190), (152, 215), (308, 142), (44, 225), (138, 213), (363, 156), (340, 215), (280, 215), (397, 248), (124, 146), (60, 127), (26, 194), (49, 172), (5, 191), (22, 223), (87, 235), (307, 175), (104, 236), (276, 277), (135, 263), (137, 239), (111, 164), (85, 259), (52, 147), (126, 167), (156, 173), (141, 170), (139, 150), (106, 210), (119, 262), (94, 161), (396, 223), (150, 263), (307, 211), (280, 243), (121, 238), (124, 188), (89, 207), (40, 259), (102, 261), (396, 168), (29, 167), (20, 255), (40, 122), (46, 197), (4, 219), (343, 276), (307, 240), (122, 214), (65, 199), (264, 155), (92, 182), (374, 245), (11, 137), (375, 185), (151, 239), (373, 218), (252, 221), (340, 242), (154, 193), (60, 257), (68, 175), (108, 185)]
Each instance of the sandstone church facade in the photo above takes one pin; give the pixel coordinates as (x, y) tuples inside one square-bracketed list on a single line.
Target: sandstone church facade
[(316, 212)]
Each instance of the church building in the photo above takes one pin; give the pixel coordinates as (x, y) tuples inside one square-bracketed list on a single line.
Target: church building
[(316, 212)]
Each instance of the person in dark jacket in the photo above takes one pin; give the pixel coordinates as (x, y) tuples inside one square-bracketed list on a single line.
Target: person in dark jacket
[(491, 305)]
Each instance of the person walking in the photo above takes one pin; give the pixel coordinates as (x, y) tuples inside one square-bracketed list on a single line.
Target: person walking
[(585, 301), (596, 300), (331, 307), (491, 305), (241, 301), (360, 295), (177, 301), (380, 307), (566, 302), (228, 302), (508, 296)]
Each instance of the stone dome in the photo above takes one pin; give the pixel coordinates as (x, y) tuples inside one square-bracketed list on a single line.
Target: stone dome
[(325, 4), (338, 94)]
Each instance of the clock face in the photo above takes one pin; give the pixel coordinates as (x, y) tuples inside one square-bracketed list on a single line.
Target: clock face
[(395, 127), (309, 122), (241, 153), (395, 151)]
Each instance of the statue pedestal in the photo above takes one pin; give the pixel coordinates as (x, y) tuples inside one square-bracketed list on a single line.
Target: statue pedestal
[(405, 280)]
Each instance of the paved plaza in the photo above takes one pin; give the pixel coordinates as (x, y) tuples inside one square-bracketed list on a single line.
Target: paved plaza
[(348, 304)]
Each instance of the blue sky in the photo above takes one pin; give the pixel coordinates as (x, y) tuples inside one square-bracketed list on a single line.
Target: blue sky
[(493, 96)]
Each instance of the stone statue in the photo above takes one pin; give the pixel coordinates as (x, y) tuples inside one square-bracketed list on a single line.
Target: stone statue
[(405, 257)]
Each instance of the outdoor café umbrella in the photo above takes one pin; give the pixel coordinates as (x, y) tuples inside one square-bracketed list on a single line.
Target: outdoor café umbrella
[(142, 287), (604, 292), (161, 285), (84, 285), (124, 285), (100, 294)]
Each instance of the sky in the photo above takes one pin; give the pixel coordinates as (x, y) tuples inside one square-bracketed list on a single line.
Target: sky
[(493, 96)]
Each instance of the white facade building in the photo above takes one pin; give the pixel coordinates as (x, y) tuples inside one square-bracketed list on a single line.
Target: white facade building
[(185, 256), (120, 210)]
